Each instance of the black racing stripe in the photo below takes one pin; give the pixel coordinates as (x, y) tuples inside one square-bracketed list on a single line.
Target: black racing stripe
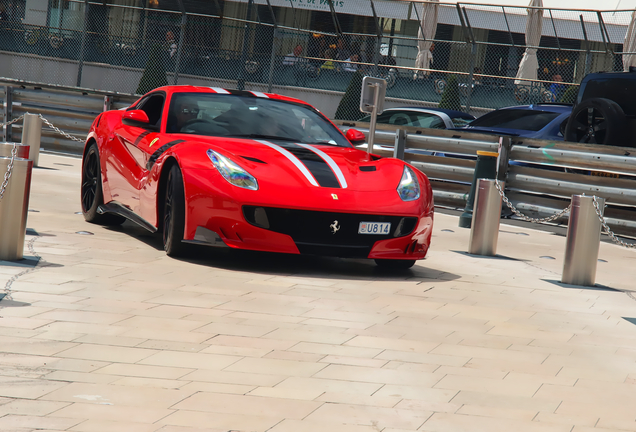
[(140, 137), (241, 93), (161, 150), (316, 165)]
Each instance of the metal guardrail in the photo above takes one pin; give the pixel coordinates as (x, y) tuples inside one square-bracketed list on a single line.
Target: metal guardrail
[(542, 176), (554, 170), (71, 109)]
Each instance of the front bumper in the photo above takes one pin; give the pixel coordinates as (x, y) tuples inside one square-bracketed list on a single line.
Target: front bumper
[(228, 222)]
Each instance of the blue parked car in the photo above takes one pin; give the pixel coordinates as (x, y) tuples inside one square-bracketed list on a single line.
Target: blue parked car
[(540, 121)]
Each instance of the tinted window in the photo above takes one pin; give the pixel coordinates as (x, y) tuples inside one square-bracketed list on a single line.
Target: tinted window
[(250, 117), (461, 121), (409, 118), (152, 106), (620, 91), (528, 120)]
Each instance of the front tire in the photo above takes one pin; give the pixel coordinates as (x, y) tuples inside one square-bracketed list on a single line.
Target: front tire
[(174, 214), (92, 195), (395, 264)]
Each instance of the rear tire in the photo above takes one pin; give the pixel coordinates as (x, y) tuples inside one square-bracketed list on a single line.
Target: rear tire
[(174, 214), (596, 121), (92, 195), (395, 264)]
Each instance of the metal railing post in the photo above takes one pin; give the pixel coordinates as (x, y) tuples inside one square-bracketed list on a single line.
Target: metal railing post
[(240, 82), (400, 144), (275, 45), (13, 208), (272, 61), (473, 55), (184, 20), (588, 57), (32, 136), (582, 243), (503, 160), (8, 102), (108, 103), (379, 33), (485, 223), (82, 54)]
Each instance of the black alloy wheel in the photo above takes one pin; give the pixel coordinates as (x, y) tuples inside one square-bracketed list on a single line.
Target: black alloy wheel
[(596, 121), (174, 214), (91, 190)]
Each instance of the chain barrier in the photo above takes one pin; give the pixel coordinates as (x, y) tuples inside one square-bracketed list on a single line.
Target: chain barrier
[(14, 153), (59, 131), (606, 228), (7, 175), (527, 218)]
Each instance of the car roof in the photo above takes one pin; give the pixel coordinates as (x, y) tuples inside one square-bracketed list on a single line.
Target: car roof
[(234, 92), (448, 112), (550, 107)]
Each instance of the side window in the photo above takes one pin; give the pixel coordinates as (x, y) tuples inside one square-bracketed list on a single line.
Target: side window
[(400, 119), (153, 107), (437, 123), (430, 121)]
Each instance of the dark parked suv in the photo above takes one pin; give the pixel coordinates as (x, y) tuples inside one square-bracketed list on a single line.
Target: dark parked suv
[(605, 110)]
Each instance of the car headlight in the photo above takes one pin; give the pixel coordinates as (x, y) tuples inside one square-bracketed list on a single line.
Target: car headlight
[(409, 188), (231, 172)]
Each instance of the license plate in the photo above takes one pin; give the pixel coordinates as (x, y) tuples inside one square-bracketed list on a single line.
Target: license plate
[(379, 228)]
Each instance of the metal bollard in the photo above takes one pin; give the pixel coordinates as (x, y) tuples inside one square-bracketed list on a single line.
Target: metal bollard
[(582, 243), (7, 147), (13, 207), (32, 136), (485, 167), (485, 223)]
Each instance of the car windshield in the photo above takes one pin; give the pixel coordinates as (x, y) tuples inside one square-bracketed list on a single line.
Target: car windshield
[(222, 115), (521, 119)]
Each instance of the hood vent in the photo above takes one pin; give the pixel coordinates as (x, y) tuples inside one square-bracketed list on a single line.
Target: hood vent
[(368, 168), (254, 160)]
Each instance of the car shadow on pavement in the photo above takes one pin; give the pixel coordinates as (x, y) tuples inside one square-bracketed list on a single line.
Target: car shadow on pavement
[(285, 264)]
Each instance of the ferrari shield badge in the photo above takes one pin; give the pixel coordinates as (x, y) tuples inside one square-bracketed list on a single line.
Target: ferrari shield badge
[(153, 142), (334, 196), (334, 227)]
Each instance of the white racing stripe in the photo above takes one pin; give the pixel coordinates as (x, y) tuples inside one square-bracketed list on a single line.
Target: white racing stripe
[(259, 94), (334, 166), (303, 169), (220, 90)]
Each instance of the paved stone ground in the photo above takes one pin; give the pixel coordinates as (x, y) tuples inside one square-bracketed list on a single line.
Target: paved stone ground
[(109, 334)]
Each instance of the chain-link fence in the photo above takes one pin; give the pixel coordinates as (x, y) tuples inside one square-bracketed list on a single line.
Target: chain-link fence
[(472, 57)]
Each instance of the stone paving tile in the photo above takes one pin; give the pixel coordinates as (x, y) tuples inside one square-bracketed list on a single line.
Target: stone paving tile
[(239, 422), (460, 422), (104, 412), (116, 336)]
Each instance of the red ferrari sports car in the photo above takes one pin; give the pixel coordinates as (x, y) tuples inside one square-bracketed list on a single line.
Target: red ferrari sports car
[(256, 171)]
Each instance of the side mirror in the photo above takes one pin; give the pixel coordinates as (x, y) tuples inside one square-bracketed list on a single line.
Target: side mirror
[(136, 118), (355, 136)]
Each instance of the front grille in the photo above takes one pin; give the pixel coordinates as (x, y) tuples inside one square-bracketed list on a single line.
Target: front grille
[(312, 232)]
